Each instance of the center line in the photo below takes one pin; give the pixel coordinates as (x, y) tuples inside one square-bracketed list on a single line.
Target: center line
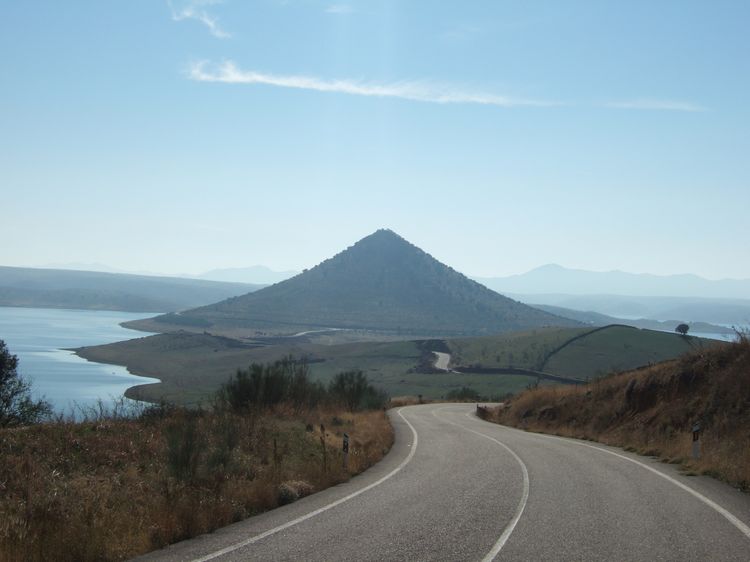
[(498, 546)]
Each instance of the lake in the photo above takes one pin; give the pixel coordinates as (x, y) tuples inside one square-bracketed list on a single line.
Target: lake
[(40, 336)]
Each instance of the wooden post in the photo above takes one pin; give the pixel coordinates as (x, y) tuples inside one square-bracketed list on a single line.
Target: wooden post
[(345, 449), (696, 453)]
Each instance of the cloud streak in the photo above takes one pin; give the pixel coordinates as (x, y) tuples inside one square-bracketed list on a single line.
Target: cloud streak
[(656, 105), (228, 73), (194, 11), (339, 9)]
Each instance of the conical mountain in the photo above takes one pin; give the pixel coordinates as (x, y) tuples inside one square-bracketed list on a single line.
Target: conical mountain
[(381, 283)]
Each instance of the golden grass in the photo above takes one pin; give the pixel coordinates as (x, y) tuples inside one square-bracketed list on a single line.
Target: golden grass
[(652, 410), (107, 490)]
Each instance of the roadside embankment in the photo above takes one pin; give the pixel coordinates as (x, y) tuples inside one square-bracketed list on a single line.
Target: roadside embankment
[(653, 410), (111, 489)]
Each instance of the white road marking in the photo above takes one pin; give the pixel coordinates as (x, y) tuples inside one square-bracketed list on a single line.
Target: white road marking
[(318, 511), (498, 546), (744, 529)]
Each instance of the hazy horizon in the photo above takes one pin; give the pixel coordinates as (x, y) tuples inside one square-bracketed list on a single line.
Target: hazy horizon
[(185, 136), (106, 268)]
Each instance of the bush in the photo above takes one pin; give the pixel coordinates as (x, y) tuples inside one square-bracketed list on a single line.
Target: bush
[(268, 385), (16, 405), (184, 446), (354, 392), (287, 381), (464, 393)]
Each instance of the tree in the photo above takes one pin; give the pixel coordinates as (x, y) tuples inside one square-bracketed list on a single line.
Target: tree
[(682, 329), (16, 405)]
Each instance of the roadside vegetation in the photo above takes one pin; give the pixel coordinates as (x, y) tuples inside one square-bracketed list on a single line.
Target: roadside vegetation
[(652, 410), (131, 484)]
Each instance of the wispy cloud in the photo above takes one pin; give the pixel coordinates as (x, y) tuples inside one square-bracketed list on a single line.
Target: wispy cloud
[(463, 31), (228, 73), (656, 105), (339, 9), (195, 10)]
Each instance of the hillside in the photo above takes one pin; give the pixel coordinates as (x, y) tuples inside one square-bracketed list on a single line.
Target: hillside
[(652, 410), (381, 283), (92, 290), (571, 353)]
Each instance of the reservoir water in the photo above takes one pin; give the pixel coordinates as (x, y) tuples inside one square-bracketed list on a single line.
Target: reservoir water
[(40, 337)]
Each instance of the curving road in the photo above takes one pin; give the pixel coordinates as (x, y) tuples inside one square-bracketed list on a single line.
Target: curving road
[(456, 488)]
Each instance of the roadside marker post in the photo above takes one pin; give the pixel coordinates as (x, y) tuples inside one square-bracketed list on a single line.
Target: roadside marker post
[(696, 440), (345, 449)]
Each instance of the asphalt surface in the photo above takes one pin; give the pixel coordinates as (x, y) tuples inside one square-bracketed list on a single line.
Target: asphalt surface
[(456, 488)]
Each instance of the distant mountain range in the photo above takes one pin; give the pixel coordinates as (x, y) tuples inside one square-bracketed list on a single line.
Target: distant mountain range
[(381, 283), (555, 279), (93, 290), (256, 274), (729, 312), (598, 319)]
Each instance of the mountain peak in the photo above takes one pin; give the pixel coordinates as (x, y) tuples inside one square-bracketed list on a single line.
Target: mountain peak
[(381, 283)]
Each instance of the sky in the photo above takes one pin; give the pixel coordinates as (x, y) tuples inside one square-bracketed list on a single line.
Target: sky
[(183, 136)]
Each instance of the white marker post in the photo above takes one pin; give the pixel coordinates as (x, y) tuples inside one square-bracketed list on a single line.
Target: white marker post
[(696, 440), (345, 448)]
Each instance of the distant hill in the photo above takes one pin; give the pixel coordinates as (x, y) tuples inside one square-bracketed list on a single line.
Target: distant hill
[(573, 353), (381, 283), (557, 279), (691, 309), (92, 290), (256, 274), (598, 319)]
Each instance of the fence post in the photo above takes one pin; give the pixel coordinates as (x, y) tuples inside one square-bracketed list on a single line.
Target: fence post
[(696, 453)]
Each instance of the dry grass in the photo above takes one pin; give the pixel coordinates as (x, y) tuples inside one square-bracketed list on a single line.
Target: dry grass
[(113, 489), (652, 410)]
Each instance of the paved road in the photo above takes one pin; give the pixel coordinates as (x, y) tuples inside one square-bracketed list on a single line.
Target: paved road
[(456, 488), (442, 360)]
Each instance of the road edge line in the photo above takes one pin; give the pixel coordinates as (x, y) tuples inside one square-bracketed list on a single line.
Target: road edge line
[(320, 510), (729, 516)]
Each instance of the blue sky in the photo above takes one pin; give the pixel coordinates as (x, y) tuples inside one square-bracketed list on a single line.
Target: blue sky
[(182, 136)]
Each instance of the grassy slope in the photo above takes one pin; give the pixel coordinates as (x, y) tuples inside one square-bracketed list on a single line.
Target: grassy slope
[(652, 410), (617, 348), (526, 350), (111, 482)]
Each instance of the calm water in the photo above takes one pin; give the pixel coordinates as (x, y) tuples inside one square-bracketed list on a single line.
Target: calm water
[(39, 337)]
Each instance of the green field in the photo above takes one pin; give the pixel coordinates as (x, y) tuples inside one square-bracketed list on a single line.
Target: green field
[(618, 348), (524, 350), (193, 366)]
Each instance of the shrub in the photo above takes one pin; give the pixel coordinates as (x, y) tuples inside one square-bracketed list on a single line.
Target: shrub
[(184, 445), (354, 392), (464, 393)]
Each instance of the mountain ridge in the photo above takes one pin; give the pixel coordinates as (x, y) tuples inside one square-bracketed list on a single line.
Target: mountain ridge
[(96, 290), (553, 278)]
